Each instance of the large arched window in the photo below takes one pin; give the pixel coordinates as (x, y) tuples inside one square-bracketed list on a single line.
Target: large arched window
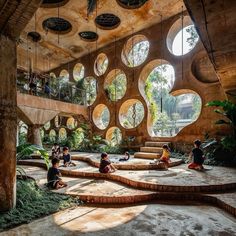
[(167, 114)]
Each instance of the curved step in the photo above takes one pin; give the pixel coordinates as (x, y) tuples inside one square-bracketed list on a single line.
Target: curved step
[(151, 149), (146, 155), (136, 183), (105, 192), (156, 144), (129, 165)]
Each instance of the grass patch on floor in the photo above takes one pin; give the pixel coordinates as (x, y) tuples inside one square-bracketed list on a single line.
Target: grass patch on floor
[(33, 202)]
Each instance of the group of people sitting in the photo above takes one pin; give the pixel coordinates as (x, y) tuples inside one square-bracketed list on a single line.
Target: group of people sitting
[(106, 166)]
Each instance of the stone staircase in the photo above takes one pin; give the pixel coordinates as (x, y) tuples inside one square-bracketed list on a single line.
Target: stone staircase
[(151, 150)]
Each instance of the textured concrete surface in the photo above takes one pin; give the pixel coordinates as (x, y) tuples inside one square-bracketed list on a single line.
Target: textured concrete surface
[(141, 220), (84, 186), (175, 176), (221, 50), (71, 46), (40, 110), (8, 122)]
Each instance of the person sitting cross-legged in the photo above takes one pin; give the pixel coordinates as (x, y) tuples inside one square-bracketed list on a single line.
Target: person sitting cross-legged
[(165, 157), (67, 157), (197, 156), (105, 164), (54, 176)]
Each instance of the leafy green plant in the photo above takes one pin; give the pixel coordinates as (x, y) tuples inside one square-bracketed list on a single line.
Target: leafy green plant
[(33, 202), (228, 111), (25, 150)]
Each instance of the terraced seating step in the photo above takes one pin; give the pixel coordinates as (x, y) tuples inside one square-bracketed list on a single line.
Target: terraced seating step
[(155, 144), (151, 149), (147, 155)]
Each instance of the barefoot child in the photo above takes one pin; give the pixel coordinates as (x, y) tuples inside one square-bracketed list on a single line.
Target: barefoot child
[(105, 164), (126, 158), (67, 157), (197, 156), (54, 176), (165, 157), (56, 150)]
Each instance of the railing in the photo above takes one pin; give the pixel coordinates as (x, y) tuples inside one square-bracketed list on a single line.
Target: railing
[(66, 93)]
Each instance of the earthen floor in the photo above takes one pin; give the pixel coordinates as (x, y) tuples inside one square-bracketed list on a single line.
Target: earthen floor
[(139, 220), (162, 216)]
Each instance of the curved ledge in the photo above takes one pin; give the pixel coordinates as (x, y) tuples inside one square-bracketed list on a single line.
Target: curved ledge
[(139, 184), (125, 166), (223, 201)]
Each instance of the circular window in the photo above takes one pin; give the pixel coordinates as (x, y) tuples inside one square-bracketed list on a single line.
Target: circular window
[(62, 134), (52, 135), (88, 36), (114, 136), (131, 4), (70, 123), (57, 121), (181, 41), (57, 25), (135, 51), (101, 64), (107, 21), (34, 36), (47, 125), (115, 84), (53, 3), (53, 81), (78, 72), (101, 116), (79, 135), (90, 86), (52, 75), (131, 113), (64, 76)]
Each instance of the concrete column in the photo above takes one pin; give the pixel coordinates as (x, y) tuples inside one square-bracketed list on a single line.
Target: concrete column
[(8, 123), (33, 135)]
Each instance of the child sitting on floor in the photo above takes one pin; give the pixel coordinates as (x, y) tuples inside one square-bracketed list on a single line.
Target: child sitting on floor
[(197, 156), (56, 150), (53, 176), (165, 157), (105, 164), (126, 158), (67, 157)]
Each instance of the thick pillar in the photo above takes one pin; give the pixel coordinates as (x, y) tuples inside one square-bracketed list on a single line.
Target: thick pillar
[(33, 135), (8, 123)]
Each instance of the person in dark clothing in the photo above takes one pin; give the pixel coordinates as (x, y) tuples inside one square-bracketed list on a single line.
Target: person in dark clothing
[(54, 176), (126, 158), (56, 150), (197, 157), (47, 89), (105, 164), (33, 85), (67, 157)]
